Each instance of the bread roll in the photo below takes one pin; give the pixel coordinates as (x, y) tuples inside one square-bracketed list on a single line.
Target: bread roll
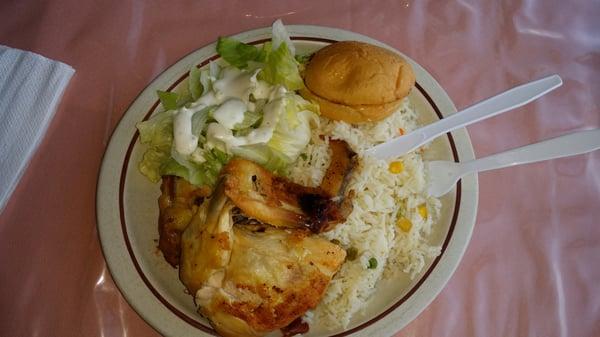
[(354, 114), (357, 82)]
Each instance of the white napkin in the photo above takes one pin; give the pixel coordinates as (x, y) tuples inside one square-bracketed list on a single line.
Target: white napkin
[(31, 87)]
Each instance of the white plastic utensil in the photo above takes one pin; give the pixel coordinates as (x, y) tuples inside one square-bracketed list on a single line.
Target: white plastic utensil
[(508, 100), (444, 174)]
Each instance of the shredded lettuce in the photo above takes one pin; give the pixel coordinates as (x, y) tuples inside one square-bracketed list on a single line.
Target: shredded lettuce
[(280, 36), (237, 53), (292, 133), (200, 120), (282, 68), (157, 133), (250, 119), (158, 130), (205, 173), (152, 161), (265, 156), (161, 159), (168, 99), (171, 100), (195, 87), (277, 59), (214, 69)]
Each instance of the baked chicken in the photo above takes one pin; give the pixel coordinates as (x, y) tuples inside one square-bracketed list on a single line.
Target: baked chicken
[(250, 280), (247, 250)]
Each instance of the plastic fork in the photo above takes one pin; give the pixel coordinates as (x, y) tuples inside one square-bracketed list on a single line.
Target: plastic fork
[(508, 100), (444, 174)]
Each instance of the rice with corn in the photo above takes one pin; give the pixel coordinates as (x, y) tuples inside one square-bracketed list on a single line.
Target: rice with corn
[(387, 231)]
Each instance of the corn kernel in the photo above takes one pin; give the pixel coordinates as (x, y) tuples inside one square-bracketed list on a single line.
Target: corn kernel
[(422, 211), (396, 167), (404, 224)]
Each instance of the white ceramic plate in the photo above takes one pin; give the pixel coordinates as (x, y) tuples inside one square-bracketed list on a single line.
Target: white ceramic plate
[(127, 210)]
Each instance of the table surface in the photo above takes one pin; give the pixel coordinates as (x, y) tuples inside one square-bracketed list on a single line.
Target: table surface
[(531, 267)]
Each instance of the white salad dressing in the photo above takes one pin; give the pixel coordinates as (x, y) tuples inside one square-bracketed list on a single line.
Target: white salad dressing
[(231, 92), (218, 135), (235, 84), (262, 90), (205, 100), (230, 113), (185, 141)]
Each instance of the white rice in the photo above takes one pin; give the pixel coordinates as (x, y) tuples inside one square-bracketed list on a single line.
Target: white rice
[(380, 198)]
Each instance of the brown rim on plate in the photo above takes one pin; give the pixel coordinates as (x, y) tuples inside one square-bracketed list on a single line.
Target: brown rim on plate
[(207, 328)]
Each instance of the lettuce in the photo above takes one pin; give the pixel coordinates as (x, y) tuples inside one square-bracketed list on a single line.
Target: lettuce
[(205, 173), (172, 100), (237, 53), (200, 120), (276, 58), (195, 87), (265, 156), (282, 68), (293, 131), (150, 164), (290, 137), (281, 36), (158, 130), (168, 99), (250, 119), (160, 158), (157, 133)]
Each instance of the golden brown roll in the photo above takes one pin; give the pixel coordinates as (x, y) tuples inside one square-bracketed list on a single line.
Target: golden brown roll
[(357, 82)]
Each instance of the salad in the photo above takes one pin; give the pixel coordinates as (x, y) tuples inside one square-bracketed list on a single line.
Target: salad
[(244, 105)]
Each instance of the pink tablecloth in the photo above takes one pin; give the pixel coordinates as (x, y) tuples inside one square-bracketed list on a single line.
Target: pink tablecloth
[(532, 265)]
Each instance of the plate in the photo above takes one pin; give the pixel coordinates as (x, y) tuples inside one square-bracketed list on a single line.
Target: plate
[(127, 209)]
